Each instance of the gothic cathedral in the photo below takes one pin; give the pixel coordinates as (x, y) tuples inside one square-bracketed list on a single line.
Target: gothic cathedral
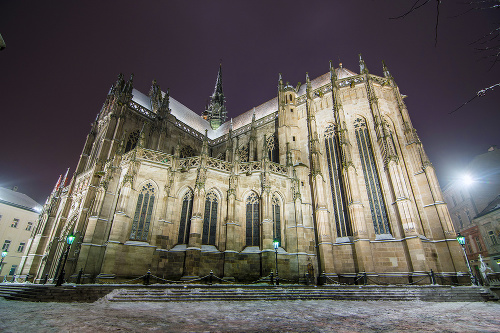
[(331, 169)]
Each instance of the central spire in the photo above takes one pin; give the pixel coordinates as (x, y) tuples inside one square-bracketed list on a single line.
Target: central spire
[(216, 111)]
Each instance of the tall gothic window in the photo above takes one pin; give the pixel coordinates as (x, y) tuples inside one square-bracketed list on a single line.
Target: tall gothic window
[(243, 153), (210, 219), (372, 182), (143, 211), (186, 151), (133, 138), (272, 148), (336, 183), (252, 220), (185, 223), (276, 219)]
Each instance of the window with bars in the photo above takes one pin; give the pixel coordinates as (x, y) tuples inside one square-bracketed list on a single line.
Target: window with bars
[(21, 247), (185, 222), (372, 182), (29, 226), (479, 245), (336, 184), (15, 223), (468, 215), (143, 212), (277, 219), (6, 245), (460, 221), (493, 238), (252, 220), (210, 219)]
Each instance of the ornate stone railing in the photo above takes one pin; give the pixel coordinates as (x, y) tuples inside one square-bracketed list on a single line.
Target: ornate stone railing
[(278, 168), (215, 163), (141, 109), (189, 162), (250, 166), (153, 155)]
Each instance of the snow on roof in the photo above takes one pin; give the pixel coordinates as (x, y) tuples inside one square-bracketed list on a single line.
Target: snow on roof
[(194, 120), (19, 200)]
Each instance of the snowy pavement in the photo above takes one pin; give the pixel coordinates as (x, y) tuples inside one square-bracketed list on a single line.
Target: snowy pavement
[(250, 316)]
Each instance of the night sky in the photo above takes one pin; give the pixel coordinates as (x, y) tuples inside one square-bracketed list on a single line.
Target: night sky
[(62, 57)]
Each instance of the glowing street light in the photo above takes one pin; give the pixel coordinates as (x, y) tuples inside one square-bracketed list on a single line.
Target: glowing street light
[(4, 254), (276, 244), (69, 241), (461, 241), (467, 179)]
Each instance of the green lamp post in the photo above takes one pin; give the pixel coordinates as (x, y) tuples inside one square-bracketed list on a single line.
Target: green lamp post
[(4, 254), (69, 241), (276, 244), (461, 241)]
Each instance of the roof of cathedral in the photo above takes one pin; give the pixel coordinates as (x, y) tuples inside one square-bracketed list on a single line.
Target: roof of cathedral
[(194, 120), (19, 200)]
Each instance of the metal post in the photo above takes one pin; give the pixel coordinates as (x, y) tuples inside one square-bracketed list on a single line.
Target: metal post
[(433, 277), (277, 278), (60, 280), (210, 278), (147, 277), (79, 277), (472, 276), (45, 278), (272, 278)]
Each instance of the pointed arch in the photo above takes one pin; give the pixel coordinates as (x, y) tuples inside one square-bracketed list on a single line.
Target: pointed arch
[(185, 220), (334, 161), (243, 153), (143, 211), (132, 140), (252, 219), (212, 200), (186, 151), (277, 205), (273, 148), (372, 181)]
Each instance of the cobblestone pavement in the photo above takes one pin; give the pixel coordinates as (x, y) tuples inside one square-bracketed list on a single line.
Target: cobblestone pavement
[(250, 316)]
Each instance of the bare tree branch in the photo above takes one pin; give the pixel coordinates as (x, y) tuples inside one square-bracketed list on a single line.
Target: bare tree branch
[(480, 93), (414, 7)]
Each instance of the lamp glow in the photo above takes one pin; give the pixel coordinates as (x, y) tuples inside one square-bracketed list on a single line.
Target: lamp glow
[(276, 244), (460, 239), (4, 254), (467, 180), (70, 239)]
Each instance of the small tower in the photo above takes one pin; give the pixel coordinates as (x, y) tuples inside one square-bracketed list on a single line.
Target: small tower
[(216, 111)]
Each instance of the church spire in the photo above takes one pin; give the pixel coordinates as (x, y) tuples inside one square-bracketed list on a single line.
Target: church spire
[(216, 111)]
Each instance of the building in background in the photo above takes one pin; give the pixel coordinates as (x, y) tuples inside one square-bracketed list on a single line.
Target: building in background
[(471, 201), (331, 169), (18, 216)]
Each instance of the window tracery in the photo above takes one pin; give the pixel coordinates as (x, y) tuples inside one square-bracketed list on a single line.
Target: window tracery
[(143, 212), (185, 221), (252, 220), (372, 182), (210, 219), (276, 219)]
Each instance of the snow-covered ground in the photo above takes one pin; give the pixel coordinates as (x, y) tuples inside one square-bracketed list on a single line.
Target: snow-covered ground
[(250, 316)]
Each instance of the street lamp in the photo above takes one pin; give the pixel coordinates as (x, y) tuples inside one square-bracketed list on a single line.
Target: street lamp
[(4, 254), (69, 241), (461, 241), (276, 244)]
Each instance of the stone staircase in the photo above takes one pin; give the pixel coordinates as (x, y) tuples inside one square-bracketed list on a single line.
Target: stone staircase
[(352, 293), (173, 293), (51, 293)]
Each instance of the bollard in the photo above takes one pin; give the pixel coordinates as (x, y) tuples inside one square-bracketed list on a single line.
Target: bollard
[(147, 277), (79, 276), (45, 278), (13, 278), (27, 278), (433, 277), (365, 279), (272, 278), (321, 279), (307, 279)]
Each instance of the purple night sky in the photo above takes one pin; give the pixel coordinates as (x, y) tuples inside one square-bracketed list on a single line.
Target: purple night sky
[(62, 57)]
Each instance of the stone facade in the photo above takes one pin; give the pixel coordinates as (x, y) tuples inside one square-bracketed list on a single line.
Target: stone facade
[(332, 168)]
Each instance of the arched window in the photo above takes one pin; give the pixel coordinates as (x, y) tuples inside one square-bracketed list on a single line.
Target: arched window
[(243, 153), (276, 219), (186, 151), (336, 183), (372, 182), (143, 212), (252, 220), (133, 138), (185, 222), (210, 219), (272, 148)]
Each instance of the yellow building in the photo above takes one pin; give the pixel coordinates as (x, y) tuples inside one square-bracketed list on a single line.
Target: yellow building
[(333, 169), (18, 216)]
